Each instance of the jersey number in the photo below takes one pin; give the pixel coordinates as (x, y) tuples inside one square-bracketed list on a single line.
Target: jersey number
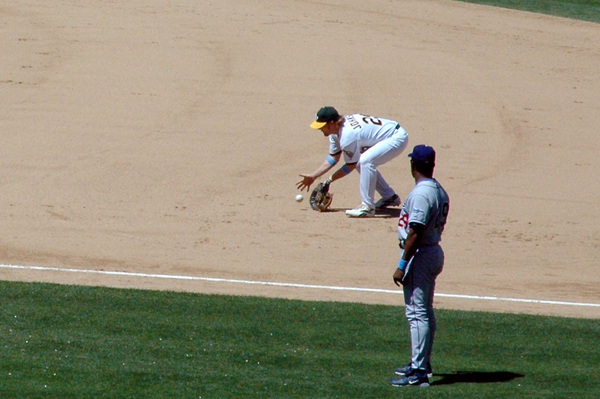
[(371, 119), (403, 221), (441, 220)]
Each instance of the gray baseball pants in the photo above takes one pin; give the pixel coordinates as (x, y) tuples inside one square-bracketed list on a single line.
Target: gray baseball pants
[(419, 286)]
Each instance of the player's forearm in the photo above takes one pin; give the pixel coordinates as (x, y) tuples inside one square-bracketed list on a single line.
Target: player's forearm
[(343, 171), (410, 245), (321, 170)]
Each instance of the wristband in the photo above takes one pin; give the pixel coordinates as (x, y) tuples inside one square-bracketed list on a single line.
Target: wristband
[(402, 264), (330, 160), (346, 169)]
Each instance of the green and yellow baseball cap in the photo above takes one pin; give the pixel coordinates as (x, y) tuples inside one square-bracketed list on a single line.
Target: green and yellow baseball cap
[(324, 115)]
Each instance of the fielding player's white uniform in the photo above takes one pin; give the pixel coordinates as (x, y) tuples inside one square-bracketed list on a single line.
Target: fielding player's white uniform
[(368, 142), (426, 205)]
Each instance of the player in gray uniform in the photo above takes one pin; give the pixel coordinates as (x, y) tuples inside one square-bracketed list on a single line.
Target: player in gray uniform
[(366, 142), (420, 228)]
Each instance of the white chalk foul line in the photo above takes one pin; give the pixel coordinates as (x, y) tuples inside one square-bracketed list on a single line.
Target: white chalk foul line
[(294, 285)]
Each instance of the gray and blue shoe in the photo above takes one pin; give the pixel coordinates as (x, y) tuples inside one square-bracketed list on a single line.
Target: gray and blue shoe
[(417, 378)]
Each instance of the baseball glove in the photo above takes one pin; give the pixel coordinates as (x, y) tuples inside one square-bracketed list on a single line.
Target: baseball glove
[(320, 198)]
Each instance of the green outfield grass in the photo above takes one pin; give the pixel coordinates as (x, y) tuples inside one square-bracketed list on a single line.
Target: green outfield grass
[(586, 10), (80, 342)]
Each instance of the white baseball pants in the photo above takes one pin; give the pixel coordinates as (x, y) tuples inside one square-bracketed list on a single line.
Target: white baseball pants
[(370, 178)]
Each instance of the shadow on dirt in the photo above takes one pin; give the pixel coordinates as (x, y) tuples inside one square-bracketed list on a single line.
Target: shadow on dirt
[(383, 213)]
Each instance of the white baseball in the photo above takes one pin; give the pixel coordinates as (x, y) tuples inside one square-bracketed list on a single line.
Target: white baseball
[(299, 197)]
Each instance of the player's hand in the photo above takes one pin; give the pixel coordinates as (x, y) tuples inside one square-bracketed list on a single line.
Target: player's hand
[(305, 183), (398, 276)]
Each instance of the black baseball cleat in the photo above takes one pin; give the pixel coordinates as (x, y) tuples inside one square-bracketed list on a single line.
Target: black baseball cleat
[(418, 378), (394, 200)]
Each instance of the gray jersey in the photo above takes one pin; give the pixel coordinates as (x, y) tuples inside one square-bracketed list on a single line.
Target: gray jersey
[(428, 205)]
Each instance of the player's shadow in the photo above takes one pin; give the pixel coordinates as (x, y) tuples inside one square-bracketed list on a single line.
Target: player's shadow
[(388, 213), (380, 213), (476, 377)]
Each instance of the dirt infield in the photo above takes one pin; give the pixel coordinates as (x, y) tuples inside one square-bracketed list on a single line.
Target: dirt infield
[(166, 138)]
